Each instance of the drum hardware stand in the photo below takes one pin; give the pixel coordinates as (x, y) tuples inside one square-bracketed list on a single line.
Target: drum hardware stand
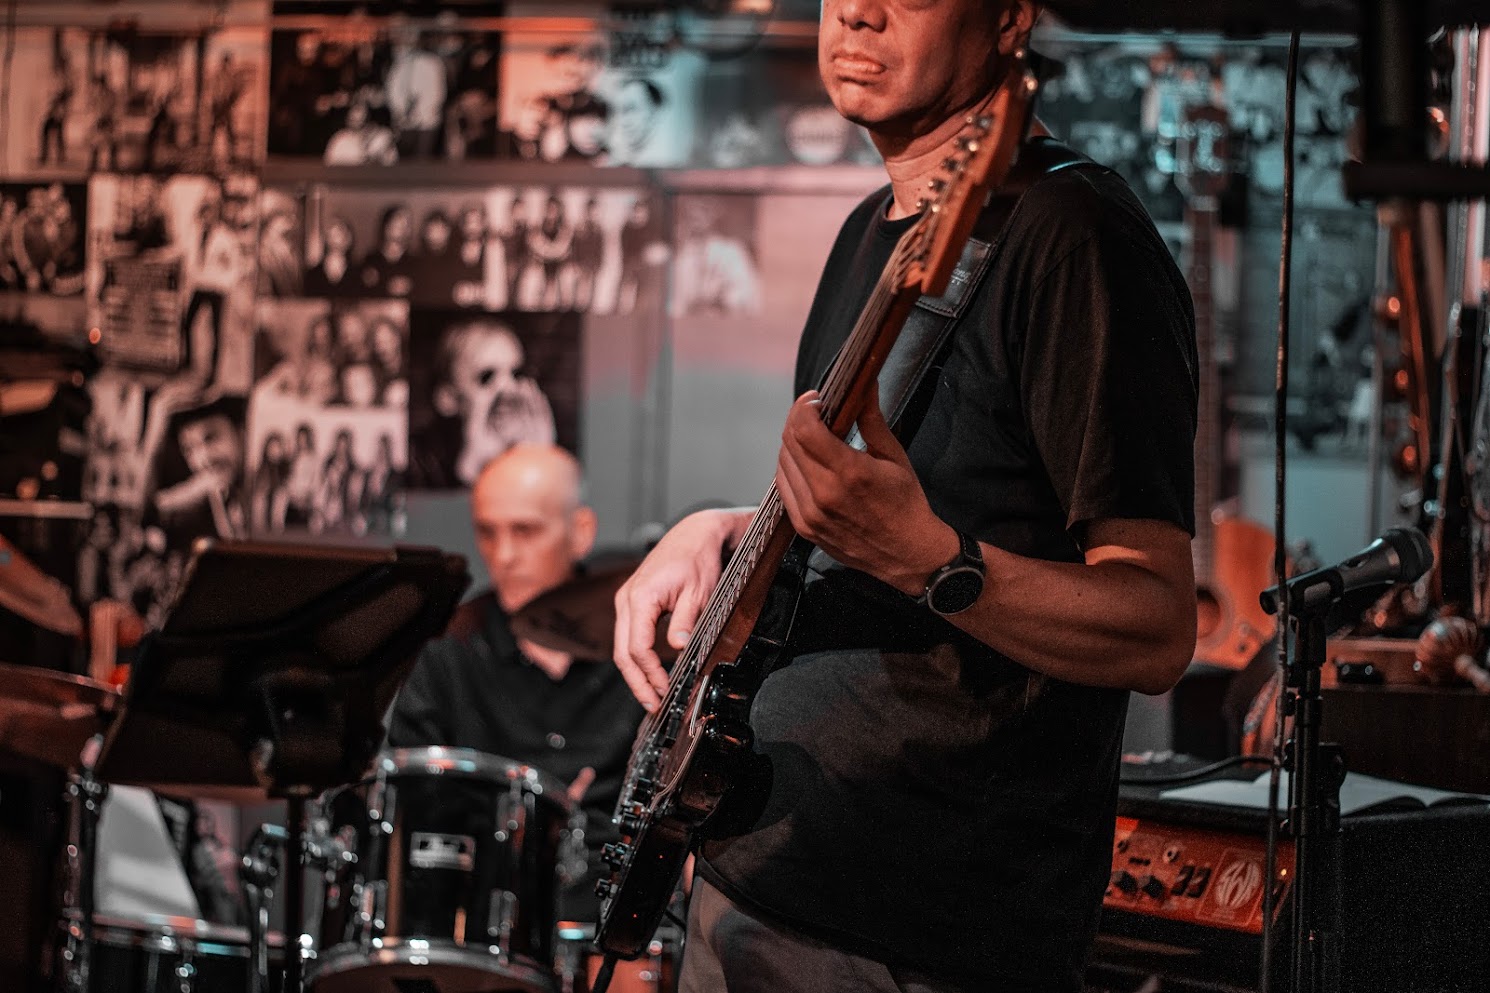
[(87, 795), (303, 752), (258, 872)]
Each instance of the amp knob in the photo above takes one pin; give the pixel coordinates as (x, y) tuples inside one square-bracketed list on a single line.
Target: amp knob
[(614, 854), (643, 789), (1153, 886), (604, 888)]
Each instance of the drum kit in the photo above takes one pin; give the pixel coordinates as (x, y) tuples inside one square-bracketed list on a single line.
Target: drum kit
[(439, 871)]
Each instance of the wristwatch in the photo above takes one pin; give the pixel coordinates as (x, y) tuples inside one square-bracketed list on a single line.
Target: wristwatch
[(957, 585)]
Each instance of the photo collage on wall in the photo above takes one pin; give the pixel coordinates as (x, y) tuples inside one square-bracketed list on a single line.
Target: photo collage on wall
[(470, 298), (219, 197)]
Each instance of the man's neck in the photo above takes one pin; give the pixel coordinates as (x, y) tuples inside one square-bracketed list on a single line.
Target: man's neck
[(912, 165)]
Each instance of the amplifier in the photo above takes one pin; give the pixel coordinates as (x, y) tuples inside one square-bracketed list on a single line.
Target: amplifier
[(1184, 902)]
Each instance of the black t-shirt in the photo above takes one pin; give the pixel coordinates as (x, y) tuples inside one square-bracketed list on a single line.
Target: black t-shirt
[(474, 688), (931, 802)]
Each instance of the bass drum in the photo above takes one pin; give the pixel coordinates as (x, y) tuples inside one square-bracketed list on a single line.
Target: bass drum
[(453, 880), (168, 955), (654, 972)]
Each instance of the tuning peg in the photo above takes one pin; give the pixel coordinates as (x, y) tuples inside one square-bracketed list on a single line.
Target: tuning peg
[(921, 205), (983, 123), (936, 185), (968, 145), (953, 164)]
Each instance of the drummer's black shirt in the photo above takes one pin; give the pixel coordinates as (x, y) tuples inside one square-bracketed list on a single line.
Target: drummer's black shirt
[(474, 688), (930, 802)]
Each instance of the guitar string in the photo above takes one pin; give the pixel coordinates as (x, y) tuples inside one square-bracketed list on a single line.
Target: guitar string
[(768, 513)]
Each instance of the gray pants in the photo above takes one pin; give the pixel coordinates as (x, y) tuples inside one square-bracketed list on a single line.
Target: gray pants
[(732, 951)]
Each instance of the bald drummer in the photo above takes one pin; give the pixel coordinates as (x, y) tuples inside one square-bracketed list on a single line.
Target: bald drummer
[(481, 687)]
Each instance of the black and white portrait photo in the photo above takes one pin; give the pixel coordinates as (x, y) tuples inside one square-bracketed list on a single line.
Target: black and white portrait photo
[(199, 482), (171, 274), (489, 381), (126, 99), (165, 466), (328, 418), (572, 248), (626, 96), (426, 246), (496, 248), (42, 237), (714, 259), (323, 353), (377, 91)]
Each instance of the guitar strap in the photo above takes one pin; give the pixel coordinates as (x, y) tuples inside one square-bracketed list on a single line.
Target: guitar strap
[(921, 346)]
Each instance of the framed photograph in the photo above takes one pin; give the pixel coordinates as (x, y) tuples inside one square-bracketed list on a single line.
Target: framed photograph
[(493, 381), (380, 91)]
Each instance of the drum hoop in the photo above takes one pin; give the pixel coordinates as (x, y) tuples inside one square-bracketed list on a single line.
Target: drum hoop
[(352, 957), (469, 763), (157, 929)]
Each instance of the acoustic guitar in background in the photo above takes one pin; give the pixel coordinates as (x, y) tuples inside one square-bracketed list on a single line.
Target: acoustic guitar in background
[(1233, 556)]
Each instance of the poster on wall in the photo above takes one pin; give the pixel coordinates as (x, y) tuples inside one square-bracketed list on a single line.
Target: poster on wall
[(495, 248), (621, 93), (491, 381), (715, 269), (165, 466), (328, 418), (169, 285), (379, 91), (42, 238), (170, 274), (769, 108), (127, 99)]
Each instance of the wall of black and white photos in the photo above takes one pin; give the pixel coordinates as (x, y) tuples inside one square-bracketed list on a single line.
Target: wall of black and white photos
[(331, 256)]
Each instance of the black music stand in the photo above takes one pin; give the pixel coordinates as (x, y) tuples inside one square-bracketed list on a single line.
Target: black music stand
[(271, 676)]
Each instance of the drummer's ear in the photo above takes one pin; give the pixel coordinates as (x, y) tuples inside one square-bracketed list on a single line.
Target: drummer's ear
[(582, 527)]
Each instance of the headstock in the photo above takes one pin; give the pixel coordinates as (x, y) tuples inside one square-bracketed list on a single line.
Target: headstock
[(985, 152), (1203, 155)]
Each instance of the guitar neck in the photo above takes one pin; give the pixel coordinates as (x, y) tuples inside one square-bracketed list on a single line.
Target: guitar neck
[(1200, 218), (841, 400)]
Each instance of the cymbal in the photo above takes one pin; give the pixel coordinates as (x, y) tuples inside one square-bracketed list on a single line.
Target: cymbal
[(579, 617), (49, 716)]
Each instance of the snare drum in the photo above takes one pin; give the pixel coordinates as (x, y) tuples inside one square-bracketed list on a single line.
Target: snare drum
[(454, 882), (654, 972), (169, 955)]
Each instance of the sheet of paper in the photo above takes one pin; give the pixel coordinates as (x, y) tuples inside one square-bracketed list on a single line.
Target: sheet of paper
[(1359, 792), (138, 869)]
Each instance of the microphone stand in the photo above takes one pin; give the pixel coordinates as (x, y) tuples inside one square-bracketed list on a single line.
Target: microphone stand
[(1316, 771)]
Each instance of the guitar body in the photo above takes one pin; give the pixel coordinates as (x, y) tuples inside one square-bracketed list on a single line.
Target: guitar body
[(1231, 626), (707, 752)]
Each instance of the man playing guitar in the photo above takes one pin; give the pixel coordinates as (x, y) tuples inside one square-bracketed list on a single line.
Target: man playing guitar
[(941, 753)]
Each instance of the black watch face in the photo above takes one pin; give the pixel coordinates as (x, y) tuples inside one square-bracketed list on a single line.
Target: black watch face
[(956, 590)]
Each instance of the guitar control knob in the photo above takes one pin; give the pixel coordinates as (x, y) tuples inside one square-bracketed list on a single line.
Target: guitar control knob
[(614, 854), (1153, 886), (604, 888)]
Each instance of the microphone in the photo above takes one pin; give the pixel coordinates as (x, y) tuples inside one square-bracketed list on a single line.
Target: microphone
[(1400, 555)]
